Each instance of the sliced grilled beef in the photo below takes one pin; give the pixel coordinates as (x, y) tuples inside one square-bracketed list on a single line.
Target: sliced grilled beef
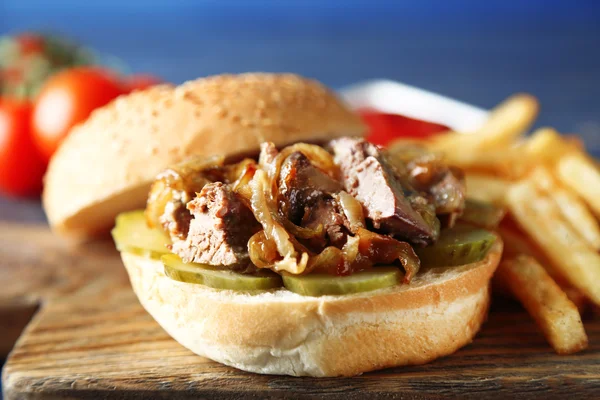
[(449, 194), (305, 199), (327, 212), (172, 190), (301, 185), (429, 174), (176, 219), (373, 181), (219, 230)]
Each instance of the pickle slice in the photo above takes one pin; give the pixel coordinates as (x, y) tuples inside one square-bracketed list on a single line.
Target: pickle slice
[(482, 214), (323, 284), (218, 278), (131, 233), (457, 246)]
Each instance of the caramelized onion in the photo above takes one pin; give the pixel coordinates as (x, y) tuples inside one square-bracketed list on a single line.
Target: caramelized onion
[(184, 173), (160, 195), (381, 249), (291, 264), (300, 231), (329, 261), (317, 155), (264, 212), (241, 173), (351, 249), (352, 210), (245, 192), (263, 252), (176, 186)]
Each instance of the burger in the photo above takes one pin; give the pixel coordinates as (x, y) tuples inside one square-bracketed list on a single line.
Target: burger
[(261, 230)]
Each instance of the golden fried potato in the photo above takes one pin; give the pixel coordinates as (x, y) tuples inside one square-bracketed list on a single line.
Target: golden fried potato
[(573, 209), (580, 173), (508, 121), (546, 302), (542, 220)]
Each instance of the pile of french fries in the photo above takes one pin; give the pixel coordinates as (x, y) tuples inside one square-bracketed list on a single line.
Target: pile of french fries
[(550, 188)]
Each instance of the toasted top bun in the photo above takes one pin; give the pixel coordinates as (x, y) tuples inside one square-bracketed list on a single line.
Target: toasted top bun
[(106, 165), (280, 332)]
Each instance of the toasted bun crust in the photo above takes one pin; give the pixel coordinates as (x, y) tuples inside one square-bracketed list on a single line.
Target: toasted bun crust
[(106, 165), (281, 332)]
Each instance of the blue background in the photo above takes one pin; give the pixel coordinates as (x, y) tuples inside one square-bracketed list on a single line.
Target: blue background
[(477, 51)]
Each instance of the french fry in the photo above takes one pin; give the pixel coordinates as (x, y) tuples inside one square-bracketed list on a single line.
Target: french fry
[(541, 219), (486, 188), (508, 121), (580, 173), (546, 146), (554, 313), (518, 243), (573, 209), (493, 148), (503, 162), (552, 190), (575, 141)]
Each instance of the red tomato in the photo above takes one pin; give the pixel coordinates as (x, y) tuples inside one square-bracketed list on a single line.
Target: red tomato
[(140, 81), (30, 43), (66, 100), (386, 127), (21, 166)]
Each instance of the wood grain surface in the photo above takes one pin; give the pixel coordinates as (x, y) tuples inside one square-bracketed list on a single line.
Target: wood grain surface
[(101, 343), (94, 340), (36, 266)]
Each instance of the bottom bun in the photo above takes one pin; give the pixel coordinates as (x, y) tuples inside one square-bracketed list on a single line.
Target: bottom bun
[(280, 332)]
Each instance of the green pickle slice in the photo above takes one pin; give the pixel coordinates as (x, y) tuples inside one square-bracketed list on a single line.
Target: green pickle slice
[(131, 233), (457, 246), (323, 284), (218, 278), (482, 214)]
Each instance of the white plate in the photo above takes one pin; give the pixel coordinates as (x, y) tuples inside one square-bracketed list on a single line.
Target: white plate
[(397, 98)]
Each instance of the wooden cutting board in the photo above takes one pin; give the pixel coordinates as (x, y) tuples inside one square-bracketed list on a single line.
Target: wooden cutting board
[(92, 339), (100, 343), (36, 266)]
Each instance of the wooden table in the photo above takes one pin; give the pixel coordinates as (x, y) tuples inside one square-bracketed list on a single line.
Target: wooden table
[(91, 338)]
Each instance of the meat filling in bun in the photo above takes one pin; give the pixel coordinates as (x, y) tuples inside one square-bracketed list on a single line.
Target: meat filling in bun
[(338, 209)]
